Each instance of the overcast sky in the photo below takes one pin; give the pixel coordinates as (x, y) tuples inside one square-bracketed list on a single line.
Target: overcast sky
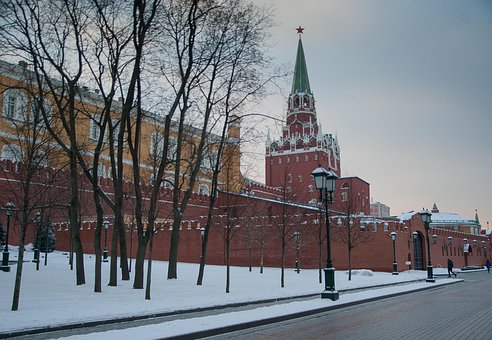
[(407, 87)]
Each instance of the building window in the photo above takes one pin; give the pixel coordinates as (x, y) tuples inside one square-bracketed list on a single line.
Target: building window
[(310, 188), (288, 160), (374, 227), (300, 178), (12, 152), (168, 183), (315, 156), (156, 144), (203, 189), (171, 148), (344, 196), (279, 160), (306, 158), (95, 128), (297, 159), (14, 105), (39, 107), (289, 178), (271, 161)]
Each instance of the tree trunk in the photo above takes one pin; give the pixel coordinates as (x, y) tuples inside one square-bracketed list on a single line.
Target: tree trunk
[(149, 267), (350, 264), (228, 264), (97, 249), (113, 269), (172, 272), (261, 259), (282, 274), (139, 262), (125, 274), (18, 274), (74, 225)]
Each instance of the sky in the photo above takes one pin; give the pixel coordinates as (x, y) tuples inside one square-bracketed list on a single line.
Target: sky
[(50, 297), (407, 88)]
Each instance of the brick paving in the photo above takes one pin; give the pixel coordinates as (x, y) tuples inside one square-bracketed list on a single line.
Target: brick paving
[(458, 311)]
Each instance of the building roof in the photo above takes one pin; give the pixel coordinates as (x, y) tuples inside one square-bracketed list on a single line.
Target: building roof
[(300, 82), (440, 218)]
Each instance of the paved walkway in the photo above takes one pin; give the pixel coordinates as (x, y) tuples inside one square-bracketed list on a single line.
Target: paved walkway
[(462, 311)]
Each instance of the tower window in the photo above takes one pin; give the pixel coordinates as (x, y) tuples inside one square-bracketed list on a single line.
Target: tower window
[(296, 101)]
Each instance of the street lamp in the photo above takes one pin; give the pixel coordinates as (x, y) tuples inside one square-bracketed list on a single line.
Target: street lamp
[(297, 237), (202, 234), (105, 252), (395, 265), (426, 218), (325, 182), (37, 239), (5, 258)]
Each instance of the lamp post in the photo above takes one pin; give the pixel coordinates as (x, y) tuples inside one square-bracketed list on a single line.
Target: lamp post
[(202, 235), (297, 237), (426, 218), (395, 265), (37, 219), (325, 182), (5, 256), (105, 251)]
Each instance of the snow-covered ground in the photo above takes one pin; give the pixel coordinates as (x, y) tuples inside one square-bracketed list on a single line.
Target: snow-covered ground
[(49, 297)]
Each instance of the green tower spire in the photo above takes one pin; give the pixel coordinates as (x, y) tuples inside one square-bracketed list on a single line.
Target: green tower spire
[(300, 82)]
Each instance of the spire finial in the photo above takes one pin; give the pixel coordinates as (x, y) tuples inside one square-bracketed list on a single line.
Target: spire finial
[(300, 30)]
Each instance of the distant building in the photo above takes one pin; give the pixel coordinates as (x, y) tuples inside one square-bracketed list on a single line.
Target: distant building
[(453, 222), (379, 209)]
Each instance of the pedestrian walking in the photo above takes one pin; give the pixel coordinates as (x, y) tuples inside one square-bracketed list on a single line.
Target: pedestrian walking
[(487, 264), (450, 268)]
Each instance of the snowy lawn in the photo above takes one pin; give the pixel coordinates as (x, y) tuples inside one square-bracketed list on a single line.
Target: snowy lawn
[(49, 297)]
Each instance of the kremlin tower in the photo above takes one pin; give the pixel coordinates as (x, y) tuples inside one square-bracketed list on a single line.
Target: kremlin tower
[(303, 146)]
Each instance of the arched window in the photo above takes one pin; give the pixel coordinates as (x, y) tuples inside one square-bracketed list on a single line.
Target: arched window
[(296, 101), (37, 108), (307, 101), (203, 189), (14, 105), (12, 152)]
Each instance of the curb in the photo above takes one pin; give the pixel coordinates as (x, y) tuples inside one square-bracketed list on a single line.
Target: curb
[(89, 324), (262, 322)]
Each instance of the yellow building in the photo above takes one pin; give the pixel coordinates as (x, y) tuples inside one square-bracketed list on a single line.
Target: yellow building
[(22, 123)]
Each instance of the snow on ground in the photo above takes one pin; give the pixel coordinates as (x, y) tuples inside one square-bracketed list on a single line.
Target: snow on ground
[(50, 297)]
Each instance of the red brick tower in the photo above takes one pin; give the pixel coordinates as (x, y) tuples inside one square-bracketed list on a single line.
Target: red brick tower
[(303, 146)]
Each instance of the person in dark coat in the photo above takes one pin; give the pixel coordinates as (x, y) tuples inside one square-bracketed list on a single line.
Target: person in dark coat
[(487, 264), (450, 268)]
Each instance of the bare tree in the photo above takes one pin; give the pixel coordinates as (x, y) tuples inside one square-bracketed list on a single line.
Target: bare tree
[(26, 155), (50, 36), (237, 76), (288, 217), (349, 230)]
